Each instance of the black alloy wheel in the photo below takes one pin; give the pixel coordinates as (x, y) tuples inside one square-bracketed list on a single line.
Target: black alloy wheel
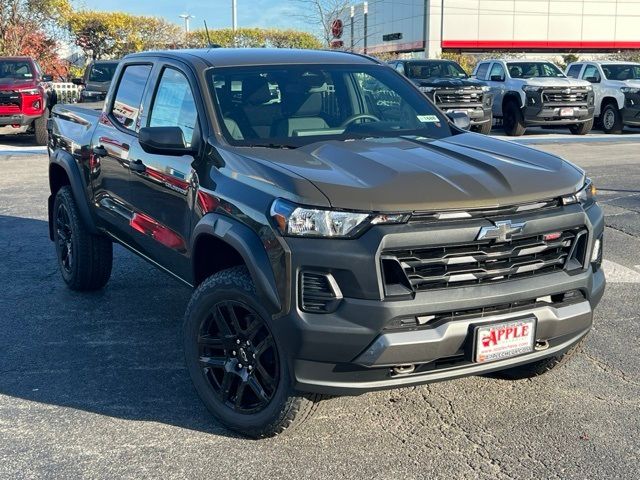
[(238, 357), (64, 239)]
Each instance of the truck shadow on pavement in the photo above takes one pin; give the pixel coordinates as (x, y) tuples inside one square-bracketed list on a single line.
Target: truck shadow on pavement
[(115, 352)]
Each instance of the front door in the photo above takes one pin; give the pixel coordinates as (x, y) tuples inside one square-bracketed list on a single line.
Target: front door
[(163, 186)]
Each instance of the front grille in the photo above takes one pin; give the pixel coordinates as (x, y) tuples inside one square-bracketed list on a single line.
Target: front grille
[(10, 99), (448, 97), (480, 262), (319, 292), (564, 95), (493, 212)]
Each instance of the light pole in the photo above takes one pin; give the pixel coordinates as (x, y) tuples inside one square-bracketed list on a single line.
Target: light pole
[(234, 15), (366, 25), (186, 17)]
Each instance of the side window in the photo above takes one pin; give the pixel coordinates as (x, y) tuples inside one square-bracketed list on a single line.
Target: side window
[(574, 70), (126, 106), (591, 72), (174, 105), (497, 70), (481, 71)]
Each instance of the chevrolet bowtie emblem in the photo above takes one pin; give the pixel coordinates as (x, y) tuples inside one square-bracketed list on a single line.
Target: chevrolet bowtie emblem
[(501, 231)]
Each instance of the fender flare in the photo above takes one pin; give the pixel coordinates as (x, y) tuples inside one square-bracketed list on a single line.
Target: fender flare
[(512, 94), (66, 161), (247, 243)]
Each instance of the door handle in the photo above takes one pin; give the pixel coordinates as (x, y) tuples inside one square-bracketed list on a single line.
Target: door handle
[(100, 151), (137, 166)]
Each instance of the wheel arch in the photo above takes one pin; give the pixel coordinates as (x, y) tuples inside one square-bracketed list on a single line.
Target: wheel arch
[(63, 171), (234, 244), (607, 100), (511, 96)]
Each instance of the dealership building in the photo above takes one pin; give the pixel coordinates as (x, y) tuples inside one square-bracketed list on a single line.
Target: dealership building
[(420, 28)]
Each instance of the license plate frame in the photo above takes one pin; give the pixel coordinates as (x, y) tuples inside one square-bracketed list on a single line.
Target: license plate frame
[(518, 345)]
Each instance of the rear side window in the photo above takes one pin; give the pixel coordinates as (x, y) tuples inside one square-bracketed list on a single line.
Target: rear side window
[(174, 105), (126, 107), (481, 72), (574, 71)]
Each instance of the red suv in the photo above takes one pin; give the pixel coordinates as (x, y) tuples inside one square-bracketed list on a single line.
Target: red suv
[(26, 97)]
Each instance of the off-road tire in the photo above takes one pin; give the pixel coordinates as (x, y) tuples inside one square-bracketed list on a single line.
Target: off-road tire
[(89, 266), (513, 120), (41, 136), (611, 119), (540, 367), (581, 128), (286, 409)]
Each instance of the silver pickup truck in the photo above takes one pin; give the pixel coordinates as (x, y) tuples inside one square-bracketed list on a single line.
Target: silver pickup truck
[(528, 93)]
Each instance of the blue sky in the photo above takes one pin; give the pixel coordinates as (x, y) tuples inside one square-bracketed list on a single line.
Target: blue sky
[(217, 13)]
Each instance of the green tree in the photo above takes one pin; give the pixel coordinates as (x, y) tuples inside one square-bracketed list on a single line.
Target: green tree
[(254, 38)]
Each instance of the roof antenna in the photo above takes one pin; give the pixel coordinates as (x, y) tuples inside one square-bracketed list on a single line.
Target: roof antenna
[(211, 45)]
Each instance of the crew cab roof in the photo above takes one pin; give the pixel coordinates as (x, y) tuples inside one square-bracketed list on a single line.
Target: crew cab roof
[(234, 57)]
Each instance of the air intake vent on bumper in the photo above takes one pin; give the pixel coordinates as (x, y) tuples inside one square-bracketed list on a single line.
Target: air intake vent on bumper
[(319, 292)]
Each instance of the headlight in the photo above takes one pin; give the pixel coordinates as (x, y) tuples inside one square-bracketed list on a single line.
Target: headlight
[(531, 88), (427, 89), (486, 89), (30, 91), (585, 196), (91, 93), (588, 88), (299, 221), (630, 90)]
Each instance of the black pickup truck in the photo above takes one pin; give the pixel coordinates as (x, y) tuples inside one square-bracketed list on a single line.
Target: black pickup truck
[(447, 84), (341, 233)]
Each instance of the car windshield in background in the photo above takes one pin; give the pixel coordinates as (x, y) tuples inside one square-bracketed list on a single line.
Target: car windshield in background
[(621, 72), (423, 70), (102, 72), (533, 70), (16, 70), (295, 105)]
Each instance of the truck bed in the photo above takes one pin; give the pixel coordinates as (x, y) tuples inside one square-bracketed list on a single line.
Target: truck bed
[(73, 124)]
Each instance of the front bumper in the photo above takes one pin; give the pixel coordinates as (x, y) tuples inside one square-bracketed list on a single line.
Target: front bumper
[(353, 350), (631, 110), (477, 116), (17, 119), (537, 111)]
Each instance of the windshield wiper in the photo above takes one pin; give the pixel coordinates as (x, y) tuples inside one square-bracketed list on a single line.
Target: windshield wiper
[(271, 145)]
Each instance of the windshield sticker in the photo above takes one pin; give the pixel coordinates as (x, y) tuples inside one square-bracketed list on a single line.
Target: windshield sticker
[(428, 118)]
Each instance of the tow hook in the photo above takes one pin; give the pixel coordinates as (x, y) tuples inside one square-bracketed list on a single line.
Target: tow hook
[(541, 345), (403, 369)]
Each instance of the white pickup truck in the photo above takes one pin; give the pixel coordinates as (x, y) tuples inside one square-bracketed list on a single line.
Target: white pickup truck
[(616, 87), (534, 92)]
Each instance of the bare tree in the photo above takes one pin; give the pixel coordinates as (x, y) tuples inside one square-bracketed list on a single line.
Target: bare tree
[(322, 13)]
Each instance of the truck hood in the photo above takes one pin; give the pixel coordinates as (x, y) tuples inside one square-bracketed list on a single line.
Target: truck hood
[(14, 83), (411, 174), (552, 82), (446, 82), (624, 83)]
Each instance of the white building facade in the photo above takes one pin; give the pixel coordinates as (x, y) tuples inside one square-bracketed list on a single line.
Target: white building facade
[(428, 27)]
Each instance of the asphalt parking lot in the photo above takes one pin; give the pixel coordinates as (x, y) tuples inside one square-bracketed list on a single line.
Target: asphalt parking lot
[(94, 386)]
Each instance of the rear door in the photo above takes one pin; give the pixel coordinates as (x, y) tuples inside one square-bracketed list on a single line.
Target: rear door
[(113, 146), (163, 186)]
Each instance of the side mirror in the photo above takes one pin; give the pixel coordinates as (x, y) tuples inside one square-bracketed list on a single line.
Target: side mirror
[(47, 78), (593, 79), (163, 141), (497, 78), (460, 120), (77, 81)]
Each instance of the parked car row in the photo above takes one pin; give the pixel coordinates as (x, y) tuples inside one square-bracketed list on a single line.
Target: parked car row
[(524, 93)]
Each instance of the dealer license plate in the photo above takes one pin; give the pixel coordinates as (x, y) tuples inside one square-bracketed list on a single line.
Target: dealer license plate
[(498, 341), (566, 112)]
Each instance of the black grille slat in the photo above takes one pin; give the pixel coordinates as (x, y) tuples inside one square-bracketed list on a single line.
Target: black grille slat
[(564, 96), (448, 97), (483, 262)]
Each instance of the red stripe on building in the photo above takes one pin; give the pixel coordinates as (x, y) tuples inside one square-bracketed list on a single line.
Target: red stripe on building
[(539, 45)]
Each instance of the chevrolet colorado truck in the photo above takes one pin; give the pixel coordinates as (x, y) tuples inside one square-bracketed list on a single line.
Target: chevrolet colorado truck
[(95, 81), (450, 88), (528, 93), (26, 97), (616, 87), (340, 239)]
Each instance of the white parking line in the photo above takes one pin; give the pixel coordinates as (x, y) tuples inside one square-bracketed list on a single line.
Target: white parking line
[(617, 273)]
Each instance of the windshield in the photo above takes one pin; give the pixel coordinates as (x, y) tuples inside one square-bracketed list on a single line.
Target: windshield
[(102, 72), (16, 69), (423, 70), (295, 105), (533, 70), (621, 72)]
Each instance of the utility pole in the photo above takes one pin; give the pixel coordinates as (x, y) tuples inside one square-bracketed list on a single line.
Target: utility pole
[(234, 15), (353, 15), (366, 25)]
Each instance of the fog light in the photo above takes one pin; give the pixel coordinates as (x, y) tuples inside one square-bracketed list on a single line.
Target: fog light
[(36, 104), (595, 256)]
